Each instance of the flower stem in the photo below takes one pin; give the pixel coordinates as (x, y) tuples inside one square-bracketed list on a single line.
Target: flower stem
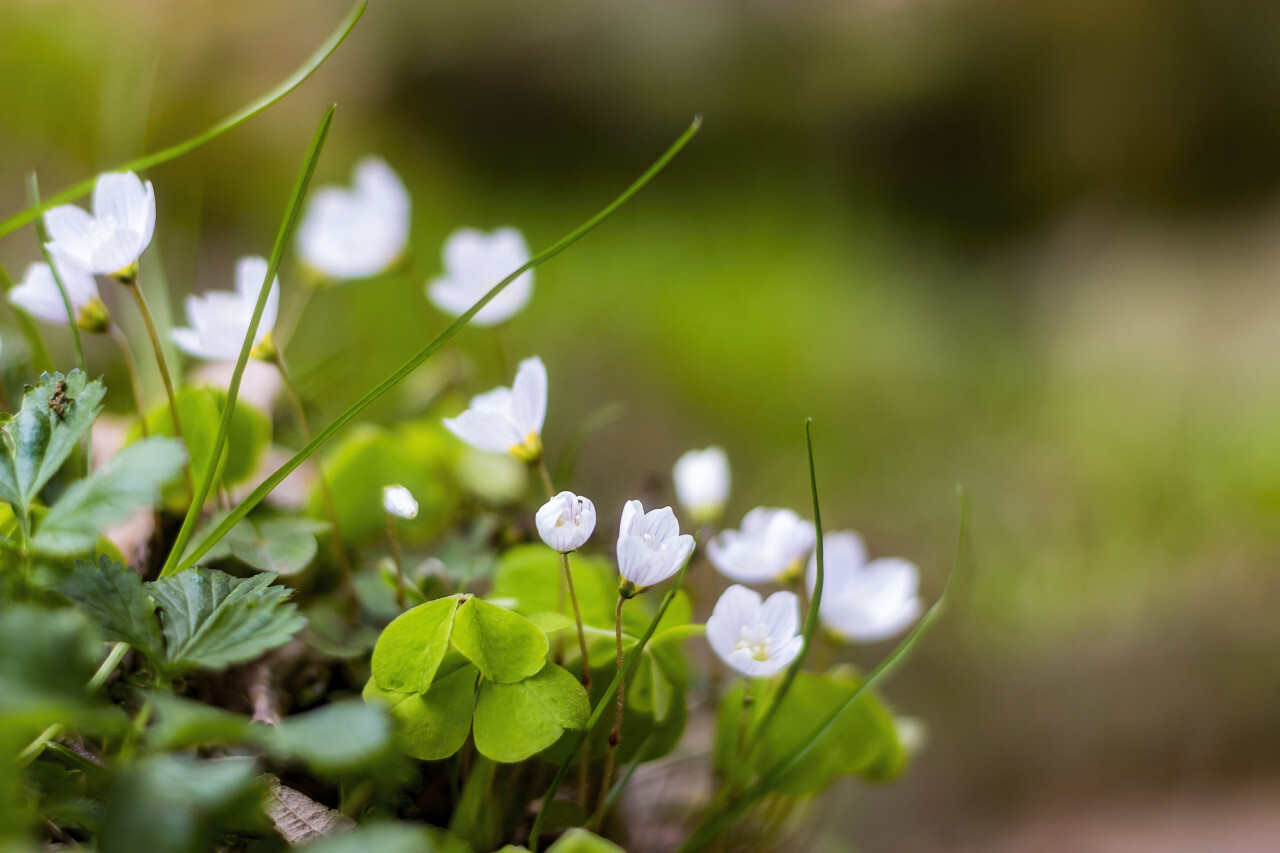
[(395, 554), (335, 538), (135, 380), (615, 734), (99, 678), (150, 322), (577, 615), (546, 478)]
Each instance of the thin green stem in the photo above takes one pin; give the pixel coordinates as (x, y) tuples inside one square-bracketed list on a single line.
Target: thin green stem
[(136, 289), (175, 561), (99, 678), (615, 734), (135, 379), (33, 195), (401, 601), (264, 489), (577, 616), (229, 123)]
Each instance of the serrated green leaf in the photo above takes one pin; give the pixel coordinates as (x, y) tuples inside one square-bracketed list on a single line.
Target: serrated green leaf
[(116, 600), (42, 437), (285, 545), (515, 721), (128, 481), (431, 725), (505, 646), (332, 740), (211, 619), (413, 646)]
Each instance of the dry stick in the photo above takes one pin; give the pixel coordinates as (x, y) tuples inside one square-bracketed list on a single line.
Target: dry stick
[(335, 538), (615, 734), (150, 322)]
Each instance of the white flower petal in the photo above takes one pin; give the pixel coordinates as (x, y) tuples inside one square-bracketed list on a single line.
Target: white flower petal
[(38, 295), (122, 198), (780, 616), (399, 501), (843, 553), (484, 431), (701, 479), (529, 396), (71, 230), (116, 252)]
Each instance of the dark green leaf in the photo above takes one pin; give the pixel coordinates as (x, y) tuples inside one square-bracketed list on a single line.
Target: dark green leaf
[(183, 723), (515, 721), (49, 657), (42, 437), (332, 740), (505, 646), (117, 601), (212, 619), (128, 481)]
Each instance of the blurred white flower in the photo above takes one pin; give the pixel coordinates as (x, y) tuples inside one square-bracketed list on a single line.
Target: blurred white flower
[(110, 241), (650, 547), (755, 638), (771, 546), (220, 318), (473, 263), (508, 420), (38, 294), (864, 601), (702, 483), (357, 232), (398, 501), (566, 521)]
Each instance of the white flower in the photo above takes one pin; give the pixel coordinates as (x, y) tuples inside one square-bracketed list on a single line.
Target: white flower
[(771, 546), (861, 601), (566, 521), (357, 232), (473, 263), (702, 482), (220, 318), (508, 420), (39, 296), (398, 501), (650, 547), (755, 638), (111, 240)]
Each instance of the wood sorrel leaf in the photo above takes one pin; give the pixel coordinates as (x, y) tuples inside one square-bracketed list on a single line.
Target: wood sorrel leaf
[(128, 481), (211, 619), (285, 545), (116, 600), (515, 721), (411, 648), (505, 646), (435, 724)]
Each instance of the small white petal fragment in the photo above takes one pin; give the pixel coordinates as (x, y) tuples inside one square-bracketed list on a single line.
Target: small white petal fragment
[(398, 501), (220, 318), (473, 263), (110, 241), (508, 420), (756, 638), (566, 521), (771, 545), (864, 601), (357, 232), (702, 483), (650, 547)]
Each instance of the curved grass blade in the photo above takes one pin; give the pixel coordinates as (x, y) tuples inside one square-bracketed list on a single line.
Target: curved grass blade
[(720, 820), (231, 122), (605, 705), (255, 497), (33, 194), (283, 237)]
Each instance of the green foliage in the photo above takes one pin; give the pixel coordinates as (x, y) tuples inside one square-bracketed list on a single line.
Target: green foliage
[(128, 481), (118, 602), (389, 838), (333, 740), (505, 646), (582, 841), (284, 544), (182, 723), (49, 656), (434, 724), (412, 647), (515, 721), (863, 742), (200, 409), (212, 619), (39, 439)]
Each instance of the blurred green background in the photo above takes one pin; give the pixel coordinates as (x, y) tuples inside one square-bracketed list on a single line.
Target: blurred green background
[(1027, 247)]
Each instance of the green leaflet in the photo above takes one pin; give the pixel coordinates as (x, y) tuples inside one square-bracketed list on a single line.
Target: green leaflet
[(413, 646), (118, 602), (505, 646), (434, 724), (128, 481), (211, 619), (515, 721)]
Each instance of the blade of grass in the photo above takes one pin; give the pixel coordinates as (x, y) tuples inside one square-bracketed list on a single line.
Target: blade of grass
[(291, 215), (719, 820), (231, 122), (33, 196), (605, 705), (255, 497)]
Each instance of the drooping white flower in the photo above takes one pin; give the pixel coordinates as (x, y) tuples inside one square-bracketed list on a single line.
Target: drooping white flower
[(702, 483), (508, 420), (650, 547), (864, 601), (473, 263), (756, 638), (771, 545), (39, 296), (399, 501), (566, 521), (220, 318), (110, 241), (357, 232)]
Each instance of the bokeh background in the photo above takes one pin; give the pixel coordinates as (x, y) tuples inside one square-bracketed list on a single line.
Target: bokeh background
[(1029, 247)]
